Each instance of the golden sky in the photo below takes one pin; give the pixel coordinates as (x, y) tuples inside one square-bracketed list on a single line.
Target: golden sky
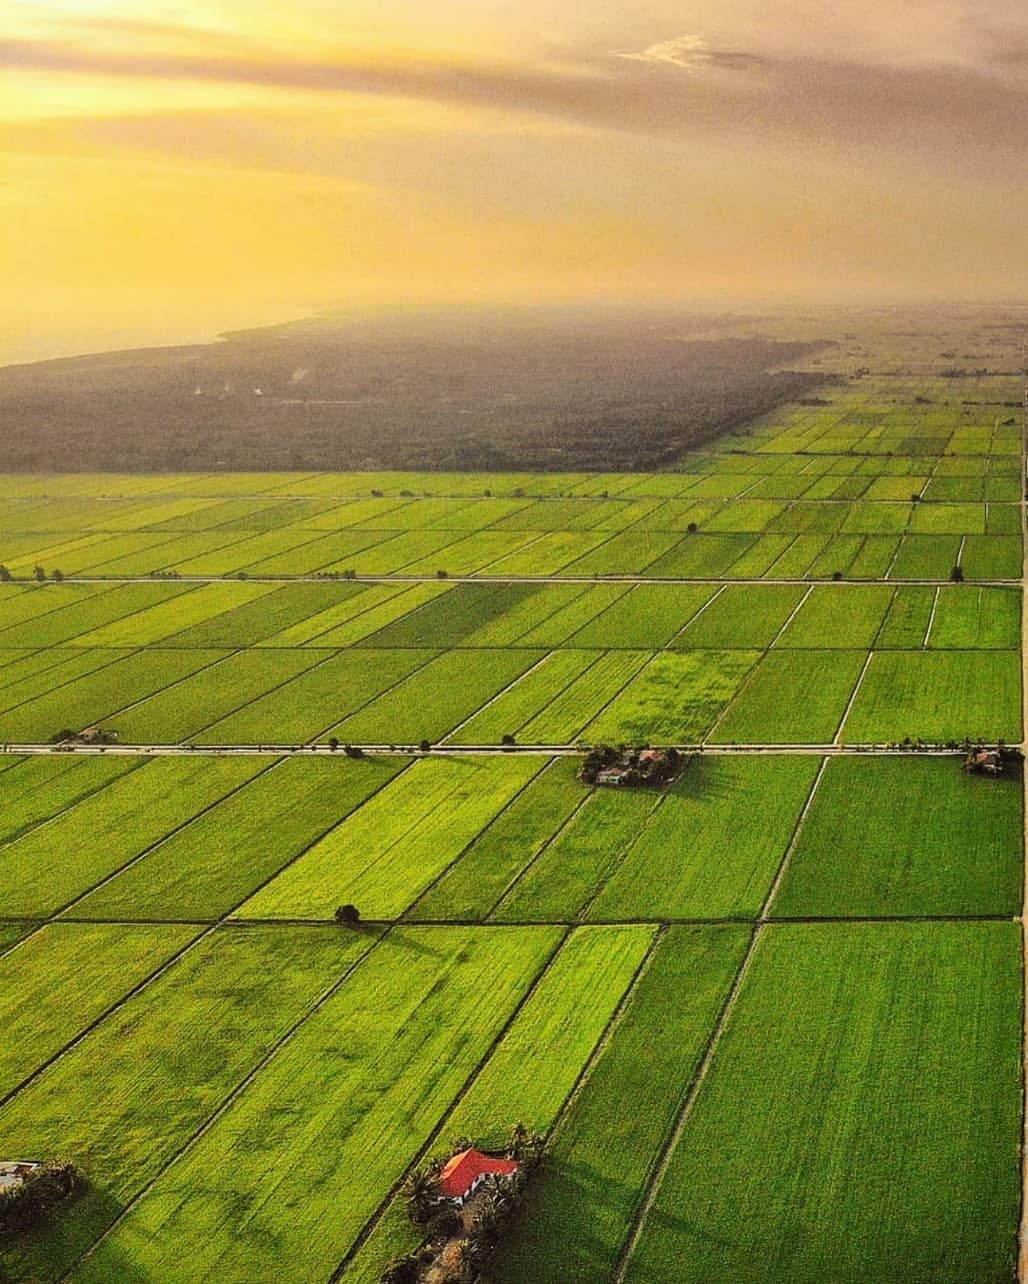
[(171, 170)]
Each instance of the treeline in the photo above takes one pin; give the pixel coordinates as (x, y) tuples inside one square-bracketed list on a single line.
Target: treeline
[(624, 395)]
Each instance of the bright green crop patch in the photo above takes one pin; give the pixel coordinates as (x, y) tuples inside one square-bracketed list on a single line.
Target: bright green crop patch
[(676, 698), (97, 696), (249, 622), (56, 862), (937, 696), (561, 882), (896, 836), (770, 710), (579, 1211), (63, 978), (846, 617), (534, 691), (436, 698), (128, 1097), (216, 861), (397, 844), (383, 604), (38, 788), (742, 615), (649, 616), (475, 882), (712, 846), (175, 616), (562, 718), (862, 1117), (446, 621), (976, 618), (533, 1070), (425, 997), (95, 613), (311, 704)]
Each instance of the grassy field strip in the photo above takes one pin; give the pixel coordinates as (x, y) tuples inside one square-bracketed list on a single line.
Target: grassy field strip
[(98, 696), (914, 838), (485, 710), (137, 810), (378, 614), (565, 875), (61, 980), (173, 1056), (46, 787), (306, 1118), (188, 707), (291, 708), (159, 910), (429, 703), (837, 738), (600, 1155), (740, 694), (705, 1060), (678, 866), (513, 884), (125, 600), (213, 865), (537, 688), (704, 606), (67, 670), (760, 715), (500, 819), (398, 843), (33, 601), (471, 886), (533, 1071), (876, 1138), (163, 620), (785, 624)]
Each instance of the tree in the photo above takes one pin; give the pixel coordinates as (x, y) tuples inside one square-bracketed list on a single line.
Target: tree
[(39, 574), (58, 576), (508, 739), (836, 575), (5, 575), (333, 743), (348, 915), (915, 498), (692, 528), (441, 575), (424, 746), (957, 575)]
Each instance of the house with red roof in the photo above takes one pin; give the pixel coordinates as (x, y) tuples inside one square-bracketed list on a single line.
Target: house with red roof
[(466, 1171)]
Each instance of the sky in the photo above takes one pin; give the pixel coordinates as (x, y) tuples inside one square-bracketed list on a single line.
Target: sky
[(171, 170)]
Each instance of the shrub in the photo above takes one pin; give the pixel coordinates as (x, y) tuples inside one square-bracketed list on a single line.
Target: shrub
[(25, 1205)]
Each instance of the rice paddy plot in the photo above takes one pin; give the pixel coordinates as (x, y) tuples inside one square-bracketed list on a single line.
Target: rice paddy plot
[(434, 699), (968, 617), (895, 836), (847, 617), (97, 697), (418, 995), (40, 788), (770, 710), (712, 846), (534, 1068), (649, 616), (124, 1101), (937, 696), (535, 690), (674, 699), (54, 863), (212, 864), (63, 978), (742, 615), (899, 1164), (579, 1210), (394, 847)]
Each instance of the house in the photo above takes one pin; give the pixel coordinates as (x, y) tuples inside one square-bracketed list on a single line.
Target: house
[(466, 1171), (14, 1171), (613, 775), (984, 761)]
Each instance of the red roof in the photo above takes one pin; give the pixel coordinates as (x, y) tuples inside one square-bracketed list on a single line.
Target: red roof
[(465, 1168)]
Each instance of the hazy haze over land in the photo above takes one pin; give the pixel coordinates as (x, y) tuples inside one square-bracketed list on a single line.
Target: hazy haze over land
[(176, 169)]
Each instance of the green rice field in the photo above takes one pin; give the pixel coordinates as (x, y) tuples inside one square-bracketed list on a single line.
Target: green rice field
[(767, 1017)]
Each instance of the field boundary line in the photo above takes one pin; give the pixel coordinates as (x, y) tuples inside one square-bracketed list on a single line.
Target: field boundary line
[(960, 550), (487, 917), (159, 842), (509, 687), (369, 1227), (791, 616), (931, 619), (670, 643), (469, 844), (837, 738), (314, 1006), (206, 930), (663, 1162)]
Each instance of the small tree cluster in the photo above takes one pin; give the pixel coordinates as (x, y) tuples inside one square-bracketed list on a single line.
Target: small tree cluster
[(27, 1203)]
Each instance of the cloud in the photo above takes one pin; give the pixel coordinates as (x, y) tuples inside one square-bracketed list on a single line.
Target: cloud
[(687, 52)]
